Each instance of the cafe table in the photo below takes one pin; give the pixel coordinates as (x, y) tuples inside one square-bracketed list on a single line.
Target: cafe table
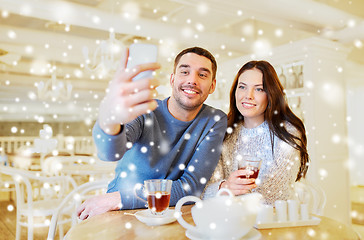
[(87, 169), (83, 172), (124, 225)]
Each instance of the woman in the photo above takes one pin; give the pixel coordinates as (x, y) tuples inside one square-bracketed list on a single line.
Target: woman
[(260, 123)]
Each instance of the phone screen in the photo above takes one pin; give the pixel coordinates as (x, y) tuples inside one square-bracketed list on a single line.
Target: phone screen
[(140, 53)]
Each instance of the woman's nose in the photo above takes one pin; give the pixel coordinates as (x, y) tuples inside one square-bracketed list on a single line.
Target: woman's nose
[(249, 94)]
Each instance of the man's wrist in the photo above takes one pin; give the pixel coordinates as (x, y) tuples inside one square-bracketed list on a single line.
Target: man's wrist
[(117, 199), (111, 129)]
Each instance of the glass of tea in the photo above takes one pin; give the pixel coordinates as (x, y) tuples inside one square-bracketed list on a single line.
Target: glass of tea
[(158, 193), (249, 163)]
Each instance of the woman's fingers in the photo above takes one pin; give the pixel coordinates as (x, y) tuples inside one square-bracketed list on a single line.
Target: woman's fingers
[(244, 172)]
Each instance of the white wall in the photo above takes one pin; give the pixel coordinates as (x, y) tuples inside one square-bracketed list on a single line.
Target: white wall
[(355, 121)]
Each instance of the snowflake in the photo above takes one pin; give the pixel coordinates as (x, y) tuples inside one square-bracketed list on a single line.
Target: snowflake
[(336, 138), (203, 180), (128, 225), (212, 225), (10, 208), (311, 232), (186, 187), (323, 173), (132, 167), (129, 145), (187, 136), (181, 166), (123, 174), (144, 149), (148, 122)]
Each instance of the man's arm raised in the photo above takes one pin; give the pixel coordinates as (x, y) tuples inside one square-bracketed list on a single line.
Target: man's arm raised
[(125, 99)]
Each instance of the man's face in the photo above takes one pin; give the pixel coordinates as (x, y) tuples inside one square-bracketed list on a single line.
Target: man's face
[(192, 81)]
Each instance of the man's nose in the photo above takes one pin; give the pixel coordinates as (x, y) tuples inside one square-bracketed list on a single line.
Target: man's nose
[(193, 78)]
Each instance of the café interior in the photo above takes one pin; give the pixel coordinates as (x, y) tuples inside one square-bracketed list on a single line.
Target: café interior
[(57, 57)]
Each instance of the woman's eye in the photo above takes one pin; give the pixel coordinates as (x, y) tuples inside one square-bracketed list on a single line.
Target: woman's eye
[(260, 89), (242, 87)]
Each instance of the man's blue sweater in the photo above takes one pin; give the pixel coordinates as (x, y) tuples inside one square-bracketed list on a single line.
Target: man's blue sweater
[(158, 146)]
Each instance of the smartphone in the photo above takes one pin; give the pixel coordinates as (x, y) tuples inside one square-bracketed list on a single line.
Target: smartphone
[(140, 53)]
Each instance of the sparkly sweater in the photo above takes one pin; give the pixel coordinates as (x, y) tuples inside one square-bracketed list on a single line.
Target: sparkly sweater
[(159, 146), (279, 168)]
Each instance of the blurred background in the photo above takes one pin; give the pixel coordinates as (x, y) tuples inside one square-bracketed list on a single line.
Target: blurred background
[(56, 58)]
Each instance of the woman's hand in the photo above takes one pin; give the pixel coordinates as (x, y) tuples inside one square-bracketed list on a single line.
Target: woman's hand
[(239, 185)]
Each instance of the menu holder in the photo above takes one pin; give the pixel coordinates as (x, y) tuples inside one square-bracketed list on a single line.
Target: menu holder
[(299, 223)]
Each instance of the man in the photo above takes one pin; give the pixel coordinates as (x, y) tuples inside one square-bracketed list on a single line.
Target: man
[(178, 138)]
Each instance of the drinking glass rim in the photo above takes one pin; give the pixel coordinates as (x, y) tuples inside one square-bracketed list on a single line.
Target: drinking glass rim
[(157, 180), (251, 158)]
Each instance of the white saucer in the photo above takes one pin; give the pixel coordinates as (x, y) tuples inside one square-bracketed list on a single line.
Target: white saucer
[(253, 234), (148, 218)]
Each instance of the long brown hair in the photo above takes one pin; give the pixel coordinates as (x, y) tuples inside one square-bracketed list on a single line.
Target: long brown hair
[(277, 111)]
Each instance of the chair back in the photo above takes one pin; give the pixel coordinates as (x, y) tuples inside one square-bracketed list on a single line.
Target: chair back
[(313, 195), (36, 196), (75, 198)]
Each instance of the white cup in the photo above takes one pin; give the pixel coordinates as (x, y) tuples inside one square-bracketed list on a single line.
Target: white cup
[(292, 210), (281, 210), (265, 215)]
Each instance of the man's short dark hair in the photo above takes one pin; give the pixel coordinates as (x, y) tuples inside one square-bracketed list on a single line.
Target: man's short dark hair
[(201, 52)]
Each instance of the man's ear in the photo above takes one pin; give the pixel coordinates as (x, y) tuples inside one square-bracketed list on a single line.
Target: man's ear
[(213, 86), (171, 79)]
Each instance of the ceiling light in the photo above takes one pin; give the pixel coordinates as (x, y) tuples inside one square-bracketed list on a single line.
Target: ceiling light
[(54, 89), (105, 59)]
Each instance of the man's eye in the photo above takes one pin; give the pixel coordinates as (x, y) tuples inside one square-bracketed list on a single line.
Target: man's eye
[(184, 72), (203, 75)]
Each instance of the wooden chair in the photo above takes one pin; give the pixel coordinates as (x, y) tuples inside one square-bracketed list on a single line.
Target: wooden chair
[(37, 197), (74, 198)]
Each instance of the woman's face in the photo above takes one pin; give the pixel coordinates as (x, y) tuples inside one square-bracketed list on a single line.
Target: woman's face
[(251, 99)]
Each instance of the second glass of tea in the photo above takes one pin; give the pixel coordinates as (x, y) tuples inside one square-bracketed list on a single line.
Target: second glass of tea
[(249, 163)]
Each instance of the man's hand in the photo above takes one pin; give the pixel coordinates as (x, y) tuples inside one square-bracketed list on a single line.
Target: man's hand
[(238, 185), (125, 99), (99, 204)]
